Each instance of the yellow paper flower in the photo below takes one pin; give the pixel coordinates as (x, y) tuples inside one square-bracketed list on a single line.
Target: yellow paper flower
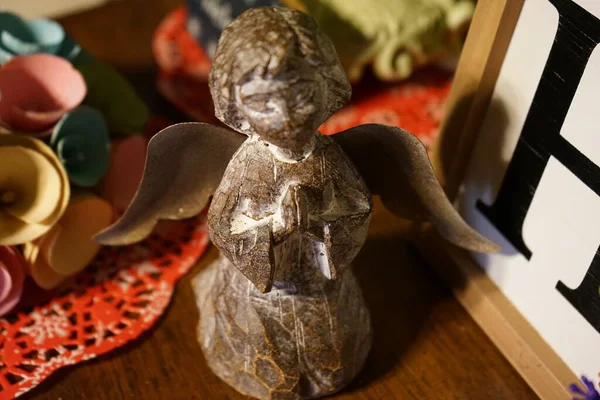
[(34, 189), (69, 246)]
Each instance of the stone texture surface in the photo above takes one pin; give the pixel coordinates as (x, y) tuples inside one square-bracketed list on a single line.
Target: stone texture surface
[(281, 315), (281, 345)]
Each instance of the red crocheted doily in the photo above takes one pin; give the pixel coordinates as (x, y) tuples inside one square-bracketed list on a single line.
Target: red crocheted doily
[(117, 298)]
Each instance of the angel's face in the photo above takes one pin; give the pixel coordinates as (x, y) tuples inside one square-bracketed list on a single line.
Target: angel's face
[(284, 110)]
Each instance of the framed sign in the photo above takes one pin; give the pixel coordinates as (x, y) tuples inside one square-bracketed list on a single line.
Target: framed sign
[(520, 154)]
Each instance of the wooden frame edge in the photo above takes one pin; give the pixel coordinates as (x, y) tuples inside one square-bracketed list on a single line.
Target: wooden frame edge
[(511, 333), (487, 41)]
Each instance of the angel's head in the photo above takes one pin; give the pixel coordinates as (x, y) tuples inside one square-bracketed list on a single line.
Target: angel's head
[(276, 74)]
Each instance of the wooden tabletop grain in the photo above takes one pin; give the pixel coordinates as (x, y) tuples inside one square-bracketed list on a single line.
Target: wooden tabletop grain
[(426, 346)]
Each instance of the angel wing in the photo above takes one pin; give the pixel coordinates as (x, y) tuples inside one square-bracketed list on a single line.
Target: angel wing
[(395, 165), (184, 166)]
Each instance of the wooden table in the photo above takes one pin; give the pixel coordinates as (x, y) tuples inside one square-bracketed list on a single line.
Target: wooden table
[(426, 346)]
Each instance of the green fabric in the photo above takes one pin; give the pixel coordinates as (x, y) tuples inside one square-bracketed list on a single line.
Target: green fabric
[(395, 36), (114, 97)]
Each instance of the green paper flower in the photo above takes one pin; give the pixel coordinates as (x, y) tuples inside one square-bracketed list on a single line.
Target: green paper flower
[(22, 37), (82, 144)]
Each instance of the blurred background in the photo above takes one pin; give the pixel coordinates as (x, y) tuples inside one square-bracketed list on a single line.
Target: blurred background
[(399, 54), (49, 8)]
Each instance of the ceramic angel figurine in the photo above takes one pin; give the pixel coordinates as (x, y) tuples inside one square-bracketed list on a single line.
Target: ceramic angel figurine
[(281, 314)]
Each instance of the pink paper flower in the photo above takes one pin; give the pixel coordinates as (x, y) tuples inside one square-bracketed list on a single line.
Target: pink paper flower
[(12, 275), (36, 90)]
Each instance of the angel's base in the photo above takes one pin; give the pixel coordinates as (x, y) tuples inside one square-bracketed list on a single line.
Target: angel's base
[(279, 345)]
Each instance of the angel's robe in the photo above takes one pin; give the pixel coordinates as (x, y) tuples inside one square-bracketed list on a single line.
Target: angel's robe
[(290, 223), (301, 224)]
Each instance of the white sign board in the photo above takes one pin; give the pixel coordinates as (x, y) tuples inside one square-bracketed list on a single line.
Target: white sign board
[(533, 184)]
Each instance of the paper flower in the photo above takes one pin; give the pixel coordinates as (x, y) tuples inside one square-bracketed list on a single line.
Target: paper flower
[(36, 91), (22, 37), (588, 392), (68, 248), (82, 144), (127, 159), (34, 189), (114, 97), (12, 276)]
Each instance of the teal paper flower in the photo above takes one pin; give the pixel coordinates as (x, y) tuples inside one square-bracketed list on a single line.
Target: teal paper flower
[(81, 141), (22, 37)]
